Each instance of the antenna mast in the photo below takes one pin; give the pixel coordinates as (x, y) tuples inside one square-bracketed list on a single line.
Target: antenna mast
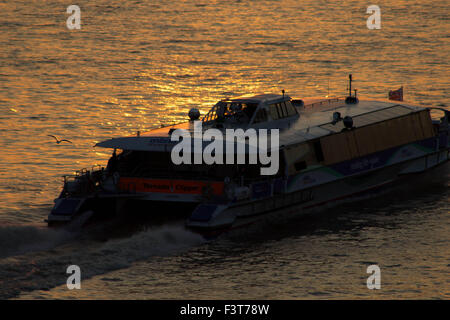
[(351, 99), (350, 79)]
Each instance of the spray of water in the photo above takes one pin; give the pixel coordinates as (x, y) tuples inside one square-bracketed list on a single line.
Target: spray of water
[(17, 240), (47, 269)]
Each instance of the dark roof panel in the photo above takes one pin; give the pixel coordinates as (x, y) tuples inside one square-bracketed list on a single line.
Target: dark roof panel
[(371, 117)]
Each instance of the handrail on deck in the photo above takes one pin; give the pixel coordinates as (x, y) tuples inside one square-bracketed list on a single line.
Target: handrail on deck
[(322, 102), (82, 172)]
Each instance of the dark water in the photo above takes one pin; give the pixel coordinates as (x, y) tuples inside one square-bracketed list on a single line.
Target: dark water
[(139, 64)]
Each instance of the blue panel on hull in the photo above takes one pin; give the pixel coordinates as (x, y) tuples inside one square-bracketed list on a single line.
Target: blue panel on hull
[(376, 160), (261, 190), (279, 185), (203, 212), (428, 143), (67, 207)]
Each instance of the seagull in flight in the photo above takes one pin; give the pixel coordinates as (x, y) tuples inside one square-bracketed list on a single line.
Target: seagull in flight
[(59, 141)]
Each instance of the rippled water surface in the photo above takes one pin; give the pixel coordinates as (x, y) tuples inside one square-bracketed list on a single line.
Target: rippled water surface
[(135, 65)]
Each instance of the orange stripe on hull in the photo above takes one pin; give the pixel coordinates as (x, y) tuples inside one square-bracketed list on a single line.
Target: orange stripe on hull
[(169, 186)]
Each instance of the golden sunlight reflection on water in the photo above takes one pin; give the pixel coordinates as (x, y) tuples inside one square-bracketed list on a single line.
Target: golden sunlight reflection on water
[(137, 65), (111, 79)]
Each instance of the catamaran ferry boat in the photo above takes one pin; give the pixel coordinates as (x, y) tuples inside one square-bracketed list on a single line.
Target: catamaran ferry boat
[(329, 150)]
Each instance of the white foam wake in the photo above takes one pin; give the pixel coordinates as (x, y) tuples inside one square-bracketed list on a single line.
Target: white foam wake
[(16, 240), (48, 269)]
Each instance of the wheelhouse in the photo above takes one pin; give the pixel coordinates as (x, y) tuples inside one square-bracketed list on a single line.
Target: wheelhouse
[(257, 111)]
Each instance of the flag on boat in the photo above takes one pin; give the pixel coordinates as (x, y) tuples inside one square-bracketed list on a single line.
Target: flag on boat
[(396, 94)]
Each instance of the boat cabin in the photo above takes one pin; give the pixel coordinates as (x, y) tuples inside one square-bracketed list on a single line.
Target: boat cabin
[(261, 111)]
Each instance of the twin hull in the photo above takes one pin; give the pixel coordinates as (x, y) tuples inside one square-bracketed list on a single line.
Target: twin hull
[(312, 188)]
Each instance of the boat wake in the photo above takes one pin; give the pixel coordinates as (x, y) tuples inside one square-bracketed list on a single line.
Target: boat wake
[(47, 269), (17, 240)]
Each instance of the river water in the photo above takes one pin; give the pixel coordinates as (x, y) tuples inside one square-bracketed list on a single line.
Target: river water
[(136, 65)]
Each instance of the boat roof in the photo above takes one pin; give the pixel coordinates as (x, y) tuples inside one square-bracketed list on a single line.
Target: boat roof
[(266, 97), (316, 117), (315, 121)]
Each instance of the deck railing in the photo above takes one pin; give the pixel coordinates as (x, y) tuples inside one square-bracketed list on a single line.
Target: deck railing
[(321, 103)]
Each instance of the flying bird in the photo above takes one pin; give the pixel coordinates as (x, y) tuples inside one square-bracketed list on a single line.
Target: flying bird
[(59, 141)]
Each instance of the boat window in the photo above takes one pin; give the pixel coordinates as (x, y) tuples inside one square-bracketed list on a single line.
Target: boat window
[(273, 112), (280, 108), (212, 114), (261, 116), (280, 112), (283, 107), (290, 108), (249, 109), (223, 111)]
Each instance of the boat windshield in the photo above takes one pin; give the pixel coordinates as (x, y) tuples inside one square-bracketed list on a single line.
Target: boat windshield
[(235, 112)]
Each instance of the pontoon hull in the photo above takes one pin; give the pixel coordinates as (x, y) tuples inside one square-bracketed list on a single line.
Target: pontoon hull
[(432, 167)]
